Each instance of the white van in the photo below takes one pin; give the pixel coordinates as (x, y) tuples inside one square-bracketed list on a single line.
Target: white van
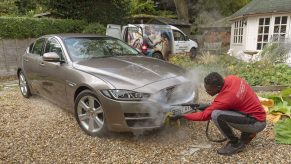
[(158, 41)]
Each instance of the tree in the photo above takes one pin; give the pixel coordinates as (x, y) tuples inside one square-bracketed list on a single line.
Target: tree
[(148, 7), (25, 6), (103, 11), (182, 10), (7, 7), (219, 8), (141, 7), (228, 7)]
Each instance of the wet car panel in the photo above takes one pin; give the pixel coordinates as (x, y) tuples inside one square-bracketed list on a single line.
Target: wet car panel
[(105, 83)]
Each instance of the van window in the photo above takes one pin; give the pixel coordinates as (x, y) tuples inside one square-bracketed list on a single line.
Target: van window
[(178, 36), (126, 35)]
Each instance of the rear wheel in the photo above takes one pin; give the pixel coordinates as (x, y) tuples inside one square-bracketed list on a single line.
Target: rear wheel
[(158, 55), (23, 85), (89, 114), (193, 53)]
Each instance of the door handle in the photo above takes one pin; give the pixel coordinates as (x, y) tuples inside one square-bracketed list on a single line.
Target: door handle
[(41, 64), (26, 60)]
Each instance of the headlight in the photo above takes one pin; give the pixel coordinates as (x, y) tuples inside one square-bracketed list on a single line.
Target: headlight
[(125, 95)]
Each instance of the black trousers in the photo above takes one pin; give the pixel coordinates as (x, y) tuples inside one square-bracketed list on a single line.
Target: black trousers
[(225, 120)]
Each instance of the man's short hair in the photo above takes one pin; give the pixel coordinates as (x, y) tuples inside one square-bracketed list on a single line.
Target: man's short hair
[(214, 79)]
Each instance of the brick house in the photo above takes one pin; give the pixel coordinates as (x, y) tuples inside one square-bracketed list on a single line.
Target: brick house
[(216, 36)]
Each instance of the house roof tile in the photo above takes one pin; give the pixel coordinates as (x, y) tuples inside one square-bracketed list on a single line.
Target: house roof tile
[(264, 6)]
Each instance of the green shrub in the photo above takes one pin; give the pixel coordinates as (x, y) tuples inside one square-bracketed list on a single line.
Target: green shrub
[(256, 74), (24, 27), (182, 60), (283, 131), (261, 74), (95, 28), (276, 52)]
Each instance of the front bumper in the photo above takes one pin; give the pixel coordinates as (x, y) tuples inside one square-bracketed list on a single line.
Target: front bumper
[(148, 114), (122, 116)]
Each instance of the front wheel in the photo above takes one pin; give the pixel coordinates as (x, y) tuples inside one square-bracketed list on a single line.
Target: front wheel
[(89, 114), (23, 85), (193, 53), (158, 55)]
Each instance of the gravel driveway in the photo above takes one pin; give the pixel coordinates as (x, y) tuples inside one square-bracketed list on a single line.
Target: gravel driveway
[(35, 130)]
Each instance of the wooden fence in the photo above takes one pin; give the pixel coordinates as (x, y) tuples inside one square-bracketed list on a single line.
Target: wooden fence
[(10, 50)]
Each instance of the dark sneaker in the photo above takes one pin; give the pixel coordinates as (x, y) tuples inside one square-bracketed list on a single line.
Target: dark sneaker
[(230, 148), (247, 137)]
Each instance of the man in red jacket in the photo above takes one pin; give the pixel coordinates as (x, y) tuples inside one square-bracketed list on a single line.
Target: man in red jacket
[(235, 106)]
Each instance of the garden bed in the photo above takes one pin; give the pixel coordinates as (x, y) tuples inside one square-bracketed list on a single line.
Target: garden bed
[(269, 88)]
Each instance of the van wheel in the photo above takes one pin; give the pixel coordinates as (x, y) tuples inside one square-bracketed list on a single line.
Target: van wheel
[(90, 114), (193, 52), (158, 55)]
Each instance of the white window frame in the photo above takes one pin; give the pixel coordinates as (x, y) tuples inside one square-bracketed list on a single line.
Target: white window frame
[(272, 27), (262, 33), (238, 31), (275, 34)]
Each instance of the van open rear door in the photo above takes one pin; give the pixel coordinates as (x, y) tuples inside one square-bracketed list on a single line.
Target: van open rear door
[(114, 31)]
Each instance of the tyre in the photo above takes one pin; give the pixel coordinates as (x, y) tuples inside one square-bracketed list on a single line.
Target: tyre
[(158, 55), (23, 85), (89, 114), (193, 53)]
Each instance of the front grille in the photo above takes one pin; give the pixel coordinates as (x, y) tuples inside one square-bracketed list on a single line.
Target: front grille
[(137, 120), (136, 115), (177, 93), (140, 123), (169, 93)]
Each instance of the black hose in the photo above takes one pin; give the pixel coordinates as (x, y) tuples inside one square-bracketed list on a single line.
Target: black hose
[(208, 137), (202, 107)]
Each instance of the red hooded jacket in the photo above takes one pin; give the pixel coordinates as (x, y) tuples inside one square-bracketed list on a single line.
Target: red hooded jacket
[(235, 94)]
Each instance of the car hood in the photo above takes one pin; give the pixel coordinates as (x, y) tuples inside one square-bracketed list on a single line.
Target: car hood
[(129, 72)]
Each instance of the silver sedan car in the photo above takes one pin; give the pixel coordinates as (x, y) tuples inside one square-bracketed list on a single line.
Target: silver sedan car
[(106, 84)]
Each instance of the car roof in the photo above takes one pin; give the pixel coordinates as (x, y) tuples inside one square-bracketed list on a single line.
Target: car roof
[(72, 35)]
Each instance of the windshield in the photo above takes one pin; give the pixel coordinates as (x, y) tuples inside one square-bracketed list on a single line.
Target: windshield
[(97, 47)]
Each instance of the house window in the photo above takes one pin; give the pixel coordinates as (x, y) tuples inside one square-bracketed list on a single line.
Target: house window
[(280, 26), (238, 31), (263, 32)]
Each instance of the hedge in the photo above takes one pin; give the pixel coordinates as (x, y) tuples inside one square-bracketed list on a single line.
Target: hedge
[(95, 28), (24, 27)]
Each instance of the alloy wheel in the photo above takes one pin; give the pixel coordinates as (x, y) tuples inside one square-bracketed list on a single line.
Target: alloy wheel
[(23, 85), (90, 114)]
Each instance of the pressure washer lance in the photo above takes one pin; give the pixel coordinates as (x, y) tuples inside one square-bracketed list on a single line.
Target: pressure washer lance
[(195, 108)]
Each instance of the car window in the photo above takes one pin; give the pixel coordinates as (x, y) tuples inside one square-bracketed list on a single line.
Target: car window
[(30, 48), (52, 45), (178, 36), (97, 47), (38, 47)]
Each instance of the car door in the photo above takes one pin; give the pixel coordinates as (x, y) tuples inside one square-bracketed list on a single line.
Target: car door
[(180, 43), (114, 30), (54, 74), (31, 60)]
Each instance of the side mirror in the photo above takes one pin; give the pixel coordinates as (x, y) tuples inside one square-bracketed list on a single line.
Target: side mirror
[(51, 57), (186, 38)]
